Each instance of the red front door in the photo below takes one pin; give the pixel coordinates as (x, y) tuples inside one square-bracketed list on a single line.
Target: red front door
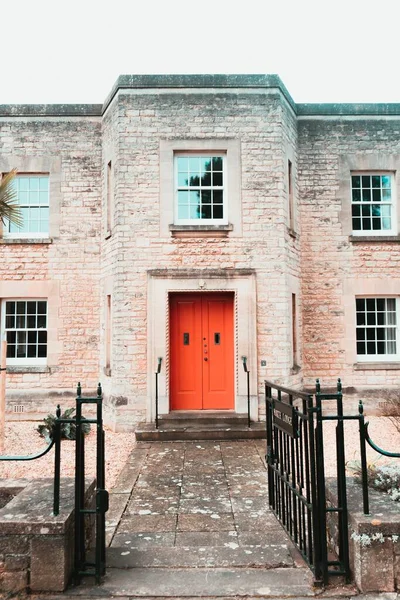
[(201, 352)]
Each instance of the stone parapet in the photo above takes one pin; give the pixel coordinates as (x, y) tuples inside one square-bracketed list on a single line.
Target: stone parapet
[(36, 547)]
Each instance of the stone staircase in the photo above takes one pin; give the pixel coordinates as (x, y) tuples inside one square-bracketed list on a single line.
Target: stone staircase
[(200, 425)]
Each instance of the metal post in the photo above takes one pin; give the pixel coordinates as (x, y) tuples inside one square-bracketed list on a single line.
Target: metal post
[(159, 360), (244, 360), (3, 393), (57, 462), (78, 486), (363, 454), (341, 487)]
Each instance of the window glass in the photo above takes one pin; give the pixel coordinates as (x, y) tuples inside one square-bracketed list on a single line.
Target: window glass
[(26, 329), (372, 204), (33, 197), (200, 188), (376, 328)]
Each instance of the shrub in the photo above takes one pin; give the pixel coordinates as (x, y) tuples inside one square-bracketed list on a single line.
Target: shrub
[(68, 430), (384, 478)]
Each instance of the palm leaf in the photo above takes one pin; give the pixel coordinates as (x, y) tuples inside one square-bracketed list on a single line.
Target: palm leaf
[(10, 210)]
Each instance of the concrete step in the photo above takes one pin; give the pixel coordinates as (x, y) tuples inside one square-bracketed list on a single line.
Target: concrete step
[(205, 417), (174, 431), (232, 555), (199, 583)]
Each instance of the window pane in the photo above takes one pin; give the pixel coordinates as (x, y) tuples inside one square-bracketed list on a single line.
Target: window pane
[(206, 197), (183, 163), (217, 196), (217, 179), (386, 181), (31, 351), (41, 322), (31, 321), (205, 164), (194, 165), (217, 211), (11, 337), (376, 181), (206, 211), (10, 322), (194, 211), (217, 163), (42, 337), (183, 198), (44, 183), (10, 308), (183, 212), (360, 348), (366, 195), (32, 337), (183, 180), (21, 322), (360, 303), (42, 307), (11, 348), (42, 351), (21, 308), (356, 195), (31, 308), (366, 181)]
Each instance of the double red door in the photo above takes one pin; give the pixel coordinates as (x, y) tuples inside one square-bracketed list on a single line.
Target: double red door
[(201, 352)]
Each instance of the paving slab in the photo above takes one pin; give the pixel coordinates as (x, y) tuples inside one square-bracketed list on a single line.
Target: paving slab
[(216, 583), (206, 538), (143, 540), (141, 523), (229, 555), (214, 522)]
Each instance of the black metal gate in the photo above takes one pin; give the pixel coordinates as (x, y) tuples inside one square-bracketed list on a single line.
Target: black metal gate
[(296, 474)]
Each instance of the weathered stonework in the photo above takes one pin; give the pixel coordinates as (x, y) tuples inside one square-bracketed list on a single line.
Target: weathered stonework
[(99, 248)]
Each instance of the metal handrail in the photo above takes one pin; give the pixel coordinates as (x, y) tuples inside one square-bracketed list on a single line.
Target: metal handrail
[(159, 361), (244, 360)]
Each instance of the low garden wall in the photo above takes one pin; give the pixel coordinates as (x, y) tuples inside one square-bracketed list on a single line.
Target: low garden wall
[(37, 548), (374, 538)]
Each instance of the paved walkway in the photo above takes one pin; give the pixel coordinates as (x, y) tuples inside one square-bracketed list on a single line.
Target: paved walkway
[(190, 519)]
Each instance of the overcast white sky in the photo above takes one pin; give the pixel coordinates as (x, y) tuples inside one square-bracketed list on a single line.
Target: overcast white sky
[(73, 51)]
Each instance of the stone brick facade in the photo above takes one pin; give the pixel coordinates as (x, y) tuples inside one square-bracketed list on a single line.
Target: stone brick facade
[(114, 252)]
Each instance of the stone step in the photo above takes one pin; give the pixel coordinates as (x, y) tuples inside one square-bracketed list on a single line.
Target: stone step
[(174, 431), (199, 583), (205, 417), (232, 555)]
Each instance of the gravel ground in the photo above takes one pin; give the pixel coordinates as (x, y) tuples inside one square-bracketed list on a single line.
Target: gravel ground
[(382, 432), (23, 439)]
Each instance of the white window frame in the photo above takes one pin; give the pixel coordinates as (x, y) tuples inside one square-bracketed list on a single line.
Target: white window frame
[(380, 357), (38, 361), (224, 189), (393, 203), (29, 234)]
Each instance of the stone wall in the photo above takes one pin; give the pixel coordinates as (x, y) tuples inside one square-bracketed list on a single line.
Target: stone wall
[(64, 266), (335, 266), (37, 548)]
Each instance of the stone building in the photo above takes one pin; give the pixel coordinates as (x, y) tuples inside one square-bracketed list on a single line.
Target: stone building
[(200, 220)]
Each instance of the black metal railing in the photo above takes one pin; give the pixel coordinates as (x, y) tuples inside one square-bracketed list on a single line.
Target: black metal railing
[(296, 474), (81, 566), (159, 361), (244, 361), (364, 440)]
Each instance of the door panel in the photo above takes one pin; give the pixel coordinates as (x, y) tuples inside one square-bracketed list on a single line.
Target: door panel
[(201, 352), (185, 353), (218, 378)]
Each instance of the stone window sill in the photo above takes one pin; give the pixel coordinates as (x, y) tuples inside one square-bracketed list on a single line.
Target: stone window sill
[(21, 240), (28, 369), (361, 239), (377, 366), (186, 231)]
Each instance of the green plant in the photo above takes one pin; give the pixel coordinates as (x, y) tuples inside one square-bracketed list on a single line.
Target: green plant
[(10, 210), (68, 430), (384, 478)]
